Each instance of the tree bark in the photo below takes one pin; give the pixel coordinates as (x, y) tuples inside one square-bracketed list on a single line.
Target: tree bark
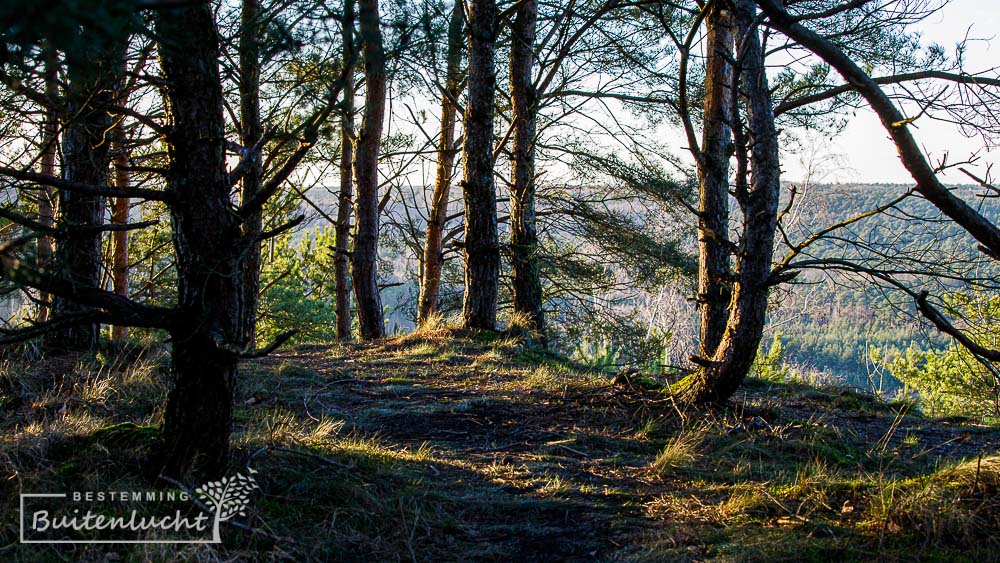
[(716, 382), (119, 216), (364, 259), (713, 183), (482, 245), (342, 232), (47, 165), (430, 283), (523, 235), (86, 159), (251, 132), (208, 244)]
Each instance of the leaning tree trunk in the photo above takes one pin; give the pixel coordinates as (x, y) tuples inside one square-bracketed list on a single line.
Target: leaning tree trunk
[(86, 159), (342, 232), (482, 244), (208, 245), (46, 197), (119, 216), (430, 283), (723, 373), (713, 183), (895, 124), (364, 259), (250, 185)]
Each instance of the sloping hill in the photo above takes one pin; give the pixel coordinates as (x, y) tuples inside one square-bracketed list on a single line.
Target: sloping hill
[(442, 446)]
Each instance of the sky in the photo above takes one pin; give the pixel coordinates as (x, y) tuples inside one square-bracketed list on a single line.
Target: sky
[(863, 152)]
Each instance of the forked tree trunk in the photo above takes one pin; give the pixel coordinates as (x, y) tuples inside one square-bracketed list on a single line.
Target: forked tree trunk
[(342, 232), (119, 216), (523, 234), (86, 159), (364, 259), (252, 130), (430, 283), (713, 183), (47, 164), (729, 366), (482, 244), (208, 245)]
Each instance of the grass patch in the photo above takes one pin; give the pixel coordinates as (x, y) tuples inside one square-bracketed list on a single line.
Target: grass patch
[(448, 445)]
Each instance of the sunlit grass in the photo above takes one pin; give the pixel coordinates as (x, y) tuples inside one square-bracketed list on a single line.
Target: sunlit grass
[(681, 450), (421, 441)]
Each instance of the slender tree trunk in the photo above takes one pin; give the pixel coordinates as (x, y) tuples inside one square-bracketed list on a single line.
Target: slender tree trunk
[(364, 259), (252, 130), (86, 159), (46, 197), (209, 248), (523, 235), (119, 216), (482, 244), (430, 283), (342, 234), (729, 366), (713, 183)]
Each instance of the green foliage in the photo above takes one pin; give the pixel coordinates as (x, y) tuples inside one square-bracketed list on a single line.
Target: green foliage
[(770, 365), (620, 344), (153, 275), (299, 288), (831, 323), (953, 382)]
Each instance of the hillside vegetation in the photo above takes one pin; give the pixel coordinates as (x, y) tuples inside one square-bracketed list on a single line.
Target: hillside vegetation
[(830, 322), (447, 446)]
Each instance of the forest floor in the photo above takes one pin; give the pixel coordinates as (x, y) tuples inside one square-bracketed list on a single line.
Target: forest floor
[(441, 446)]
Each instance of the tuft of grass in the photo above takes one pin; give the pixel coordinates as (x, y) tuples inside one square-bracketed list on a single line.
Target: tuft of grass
[(956, 505), (425, 349), (280, 426), (291, 369), (437, 324), (543, 377), (680, 451)]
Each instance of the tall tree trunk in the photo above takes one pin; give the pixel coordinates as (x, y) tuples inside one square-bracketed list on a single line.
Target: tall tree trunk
[(482, 244), (430, 283), (86, 159), (364, 259), (523, 234), (252, 130), (119, 216), (342, 234), (729, 366), (46, 197), (208, 245), (713, 183)]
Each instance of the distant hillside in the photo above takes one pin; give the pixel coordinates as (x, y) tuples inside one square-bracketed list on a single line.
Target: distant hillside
[(830, 322)]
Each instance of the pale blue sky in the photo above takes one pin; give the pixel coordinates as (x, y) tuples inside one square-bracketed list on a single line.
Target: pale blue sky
[(864, 146)]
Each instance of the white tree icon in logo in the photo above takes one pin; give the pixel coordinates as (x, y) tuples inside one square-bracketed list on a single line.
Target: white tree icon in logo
[(228, 496)]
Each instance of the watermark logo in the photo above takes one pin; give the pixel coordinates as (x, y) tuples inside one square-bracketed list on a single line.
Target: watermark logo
[(136, 516), (228, 497)]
